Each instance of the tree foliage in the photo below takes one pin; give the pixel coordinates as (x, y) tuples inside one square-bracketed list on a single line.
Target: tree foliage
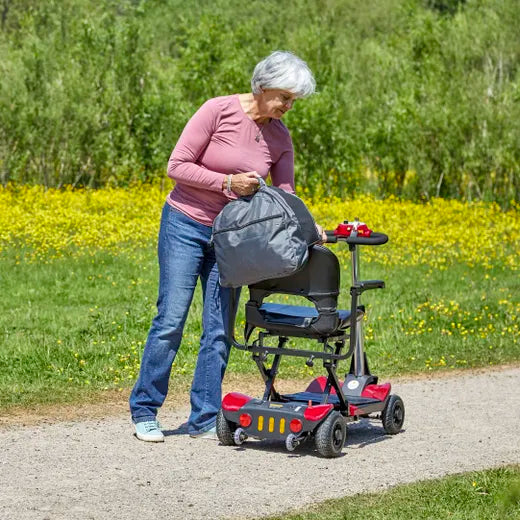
[(418, 98)]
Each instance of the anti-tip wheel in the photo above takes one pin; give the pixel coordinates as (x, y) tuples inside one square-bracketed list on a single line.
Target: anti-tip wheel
[(225, 430), (393, 415), (331, 435), (291, 443), (239, 436)]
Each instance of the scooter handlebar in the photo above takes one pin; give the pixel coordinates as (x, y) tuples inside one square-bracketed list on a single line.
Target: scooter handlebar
[(331, 237), (375, 239)]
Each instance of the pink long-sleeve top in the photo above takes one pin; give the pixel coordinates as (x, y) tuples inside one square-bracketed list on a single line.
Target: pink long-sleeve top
[(220, 139)]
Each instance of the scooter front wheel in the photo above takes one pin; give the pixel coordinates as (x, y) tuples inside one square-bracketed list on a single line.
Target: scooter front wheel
[(393, 415)]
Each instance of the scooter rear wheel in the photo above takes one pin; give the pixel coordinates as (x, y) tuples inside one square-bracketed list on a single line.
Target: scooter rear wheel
[(331, 435), (225, 430)]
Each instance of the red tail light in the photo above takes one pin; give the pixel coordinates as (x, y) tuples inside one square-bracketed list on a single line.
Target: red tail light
[(296, 426), (245, 420)]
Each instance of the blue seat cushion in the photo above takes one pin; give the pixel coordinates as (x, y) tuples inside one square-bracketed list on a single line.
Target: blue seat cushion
[(297, 316)]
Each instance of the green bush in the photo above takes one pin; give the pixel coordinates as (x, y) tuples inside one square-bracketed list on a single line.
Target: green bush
[(417, 98)]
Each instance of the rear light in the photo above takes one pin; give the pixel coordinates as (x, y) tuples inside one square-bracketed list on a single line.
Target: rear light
[(318, 412), (245, 420), (295, 426)]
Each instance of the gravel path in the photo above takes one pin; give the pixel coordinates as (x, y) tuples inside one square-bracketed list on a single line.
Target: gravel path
[(98, 470)]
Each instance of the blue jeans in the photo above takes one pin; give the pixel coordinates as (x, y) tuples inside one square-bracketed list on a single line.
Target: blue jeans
[(185, 254)]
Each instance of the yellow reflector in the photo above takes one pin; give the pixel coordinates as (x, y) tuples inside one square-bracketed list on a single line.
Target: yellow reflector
[(282, 425), (260, 423), (271, 424)]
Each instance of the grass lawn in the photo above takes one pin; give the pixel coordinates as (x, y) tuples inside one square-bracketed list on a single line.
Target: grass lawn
[(484, 495), (77, 324)]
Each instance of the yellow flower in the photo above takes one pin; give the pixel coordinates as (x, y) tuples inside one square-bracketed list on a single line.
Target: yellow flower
[(47, 223)]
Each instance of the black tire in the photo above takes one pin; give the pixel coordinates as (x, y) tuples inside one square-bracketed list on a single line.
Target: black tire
[(393, 415), (331, 435), (225, 430)]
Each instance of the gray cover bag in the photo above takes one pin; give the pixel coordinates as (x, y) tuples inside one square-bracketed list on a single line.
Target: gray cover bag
[(263, 236)]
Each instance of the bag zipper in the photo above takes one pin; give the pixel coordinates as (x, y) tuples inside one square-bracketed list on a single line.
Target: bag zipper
[(258, 220)]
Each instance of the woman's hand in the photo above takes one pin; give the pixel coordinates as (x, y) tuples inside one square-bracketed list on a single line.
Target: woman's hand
[(245, 183), (322, 233)]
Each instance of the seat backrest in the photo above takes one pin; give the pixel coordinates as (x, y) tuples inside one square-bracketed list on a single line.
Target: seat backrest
[(318, 281)]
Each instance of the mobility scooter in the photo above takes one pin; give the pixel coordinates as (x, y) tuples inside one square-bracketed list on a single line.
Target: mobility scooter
[(322, 411)]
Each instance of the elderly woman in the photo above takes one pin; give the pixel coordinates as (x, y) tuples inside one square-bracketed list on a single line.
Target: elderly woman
[(224, 148)]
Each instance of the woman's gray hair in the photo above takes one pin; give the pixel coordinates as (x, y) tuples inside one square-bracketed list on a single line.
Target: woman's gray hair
[(283, 70)]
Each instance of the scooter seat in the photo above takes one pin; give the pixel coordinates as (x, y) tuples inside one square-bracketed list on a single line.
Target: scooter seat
[(297, 316)]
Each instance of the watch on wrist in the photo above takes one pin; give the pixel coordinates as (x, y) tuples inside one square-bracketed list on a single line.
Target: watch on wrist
[(228, 184)]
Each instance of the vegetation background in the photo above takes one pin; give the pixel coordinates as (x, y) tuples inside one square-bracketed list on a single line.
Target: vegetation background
[(417, 98)]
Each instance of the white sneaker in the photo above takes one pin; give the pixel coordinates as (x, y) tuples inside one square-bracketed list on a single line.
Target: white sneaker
[(209, 434), (149, 431)]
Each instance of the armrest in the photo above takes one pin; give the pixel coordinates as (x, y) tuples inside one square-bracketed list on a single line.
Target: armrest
[(366, 285)]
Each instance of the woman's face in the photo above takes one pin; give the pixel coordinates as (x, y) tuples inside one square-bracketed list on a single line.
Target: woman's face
[(275, 102)]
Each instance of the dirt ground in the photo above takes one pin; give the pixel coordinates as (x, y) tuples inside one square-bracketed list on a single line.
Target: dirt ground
[(82, 462)]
